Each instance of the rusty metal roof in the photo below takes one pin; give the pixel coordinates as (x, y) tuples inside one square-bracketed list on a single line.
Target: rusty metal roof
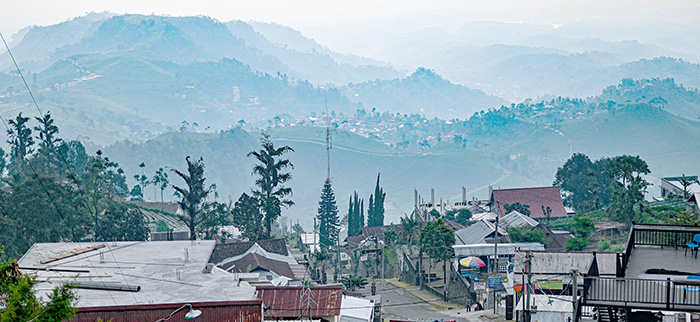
[(298, 301), (239, 311)]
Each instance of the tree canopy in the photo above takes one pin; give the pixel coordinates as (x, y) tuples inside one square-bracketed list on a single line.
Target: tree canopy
[(436, 239), (19, 303)]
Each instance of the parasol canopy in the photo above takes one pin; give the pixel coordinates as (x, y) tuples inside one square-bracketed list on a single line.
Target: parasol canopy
[(471, 261)]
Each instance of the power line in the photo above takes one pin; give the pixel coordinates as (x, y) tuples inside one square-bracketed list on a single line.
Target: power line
[(20, 73), (70, 171)]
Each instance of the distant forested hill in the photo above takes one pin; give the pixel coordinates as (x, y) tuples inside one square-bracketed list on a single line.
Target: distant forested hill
[(132, 97), (423, 92), (355, 163), (498, 153)]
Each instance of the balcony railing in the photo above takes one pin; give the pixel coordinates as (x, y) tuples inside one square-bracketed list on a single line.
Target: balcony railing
[(655, 235), (666, 294)]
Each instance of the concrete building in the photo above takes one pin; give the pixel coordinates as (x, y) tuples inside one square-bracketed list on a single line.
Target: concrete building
[(136, 279)]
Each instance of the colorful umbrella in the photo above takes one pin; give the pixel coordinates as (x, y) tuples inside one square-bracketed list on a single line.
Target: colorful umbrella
[(472, 261)]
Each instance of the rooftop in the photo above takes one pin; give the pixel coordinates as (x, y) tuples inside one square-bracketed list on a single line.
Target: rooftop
[(516, 219), (228, 250), (477, 233), (254, 261), (289, 301), (162, 271), (536, 198)]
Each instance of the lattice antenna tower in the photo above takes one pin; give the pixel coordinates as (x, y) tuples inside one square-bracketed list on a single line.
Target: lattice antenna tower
[(307, 301), (329, 141)]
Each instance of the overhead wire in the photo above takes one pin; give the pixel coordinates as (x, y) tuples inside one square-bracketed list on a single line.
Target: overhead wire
[(70, 171)]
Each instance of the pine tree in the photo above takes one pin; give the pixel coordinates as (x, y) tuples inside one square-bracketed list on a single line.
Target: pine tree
[(375, 209), (328, 215)]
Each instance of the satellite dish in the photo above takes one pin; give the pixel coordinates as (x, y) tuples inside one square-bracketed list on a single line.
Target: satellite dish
[(192, 314)]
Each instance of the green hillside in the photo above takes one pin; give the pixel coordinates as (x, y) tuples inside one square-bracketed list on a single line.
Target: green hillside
[(136, 98), (669, 144), (355, 162)]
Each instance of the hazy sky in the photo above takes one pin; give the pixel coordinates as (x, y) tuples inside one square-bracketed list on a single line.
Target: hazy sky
[(320, 19)]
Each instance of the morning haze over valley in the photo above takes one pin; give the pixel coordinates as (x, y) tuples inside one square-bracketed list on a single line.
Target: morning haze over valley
[(442, 97)]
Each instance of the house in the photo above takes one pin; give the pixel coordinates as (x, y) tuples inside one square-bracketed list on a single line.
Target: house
[(516, 219), (694, 202), (370, 233), (548, 265), (549, 308), (269, 269), (311, 242), (674, 185), (355, 309), (538, 198), (305, 302), (557, 238), (140, 280), (488, 216), (486, 252), (272, 257), (477, 233)]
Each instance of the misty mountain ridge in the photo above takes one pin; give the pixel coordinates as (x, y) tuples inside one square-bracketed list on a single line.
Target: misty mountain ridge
[(501, 58), (186, 40)]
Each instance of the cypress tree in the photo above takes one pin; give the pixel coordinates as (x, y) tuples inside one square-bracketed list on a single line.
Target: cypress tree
[(356, 219), (375, 210)]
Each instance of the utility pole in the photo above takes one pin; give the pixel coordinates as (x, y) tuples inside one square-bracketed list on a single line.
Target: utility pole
[(420, 267), (383, 247), (528, 316), (574, 292), (495, 251)]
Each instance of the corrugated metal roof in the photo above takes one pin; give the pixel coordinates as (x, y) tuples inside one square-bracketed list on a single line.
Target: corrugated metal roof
[(488, 249), (297, 302), (516, 219), (477, 233), (239, 311)]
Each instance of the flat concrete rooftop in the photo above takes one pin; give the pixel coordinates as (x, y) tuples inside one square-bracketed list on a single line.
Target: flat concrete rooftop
[(643, 258)]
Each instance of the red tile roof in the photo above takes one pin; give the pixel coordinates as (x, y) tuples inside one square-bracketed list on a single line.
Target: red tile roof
[(293, 301), (536, 198)]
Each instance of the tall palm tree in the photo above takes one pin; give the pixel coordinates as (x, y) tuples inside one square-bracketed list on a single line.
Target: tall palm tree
[(193, 196), (271, 190)]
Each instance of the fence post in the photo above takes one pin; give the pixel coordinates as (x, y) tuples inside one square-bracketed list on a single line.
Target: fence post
[(668, 292)]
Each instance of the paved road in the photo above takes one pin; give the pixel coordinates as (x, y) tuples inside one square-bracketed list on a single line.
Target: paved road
[(398, 303)]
